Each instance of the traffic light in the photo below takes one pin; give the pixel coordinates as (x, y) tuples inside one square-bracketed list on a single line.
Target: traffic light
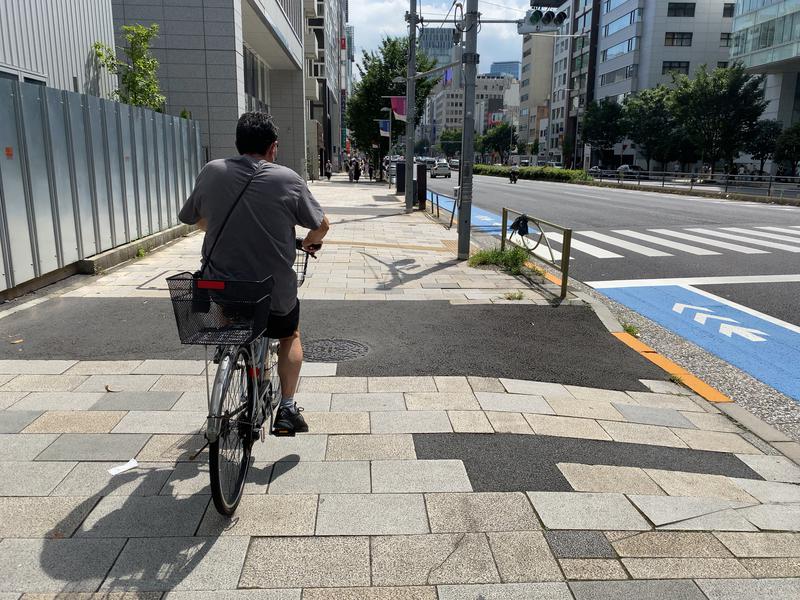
[(540, 19), (559, 19), (535, 17)]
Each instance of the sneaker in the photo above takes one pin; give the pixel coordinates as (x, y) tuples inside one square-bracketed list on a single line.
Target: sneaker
[(290, 420)]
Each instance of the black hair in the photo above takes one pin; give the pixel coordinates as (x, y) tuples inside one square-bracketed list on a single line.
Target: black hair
[(255, 133)]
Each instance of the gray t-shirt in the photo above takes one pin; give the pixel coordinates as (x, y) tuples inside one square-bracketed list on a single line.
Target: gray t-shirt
[(259, 238)]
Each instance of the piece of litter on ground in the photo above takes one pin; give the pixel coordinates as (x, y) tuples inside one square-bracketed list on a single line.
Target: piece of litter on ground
[(19, 341), (110, 389), (131, 464)]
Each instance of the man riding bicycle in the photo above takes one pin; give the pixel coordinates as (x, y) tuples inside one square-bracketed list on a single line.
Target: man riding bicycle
[(257, 239)]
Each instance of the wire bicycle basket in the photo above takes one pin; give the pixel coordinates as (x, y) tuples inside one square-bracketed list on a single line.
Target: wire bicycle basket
[(212, 312)]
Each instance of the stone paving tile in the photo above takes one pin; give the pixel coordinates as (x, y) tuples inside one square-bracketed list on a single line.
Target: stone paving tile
[(372, 593), (523, 556), (117, 383), (662, 510), (761, 545), (586, 409), (292, 449), (403, 476), (635, 433), (683, 568), (312, 369), (710, 422), (144, 516), (485, 384), (402, 384), (335, 385), (35, 367), (32, 479), (579, 544), (42, 517), (8, 399), (589, 393), (44, 383), (371, 514), (572, 510), (170, 367), (259, 515), (180, 563), (172, 448), (717, 441), (331, 422), (56, 565), (42, 401), (506, 591), (307, 562), (669, 544), (23, 446), (104, 367), (75, 421), (724, 520), (90, 596), (604, 478), (677, 483), (506, 422), (286, 594), (675, 402), (329, 477), (398, 446), (647, 415), (192, 478), (566, 427), (748, 589), (94, 446), (159, 421), (137, 401), (448, 383), (519, 403), (417, 421), (772, 468), (775, 517), (188, 401), (177, 383), (432, 559), (315, 402), (441, 401), (368, 402), (769, 491), (469, 421), (592, 569), (14, 421), (480, 511), (772, 567), (666, 387), (638, 590), (536, 388), (93, 478)]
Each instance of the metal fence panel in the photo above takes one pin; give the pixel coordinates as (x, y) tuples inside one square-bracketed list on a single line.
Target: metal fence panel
[(80, 175)]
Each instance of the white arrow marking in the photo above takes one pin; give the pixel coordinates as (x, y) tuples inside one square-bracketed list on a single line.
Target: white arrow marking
[(703, 317), (752, 335), (679, 308)]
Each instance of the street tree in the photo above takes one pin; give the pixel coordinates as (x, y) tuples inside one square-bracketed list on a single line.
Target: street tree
[(450, 141), (763, 141), (648, 121), (719, 109), (500, 139), (788, 147), (377, 71), (534, 148), (422, 146), (602, 125), (138, 73)]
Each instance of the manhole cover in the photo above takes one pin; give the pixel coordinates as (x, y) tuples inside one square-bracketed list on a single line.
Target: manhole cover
[(334, 350)]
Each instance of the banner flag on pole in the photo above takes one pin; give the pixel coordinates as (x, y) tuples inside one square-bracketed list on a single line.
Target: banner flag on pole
[(383, 125), (399, 107), (448, 77)]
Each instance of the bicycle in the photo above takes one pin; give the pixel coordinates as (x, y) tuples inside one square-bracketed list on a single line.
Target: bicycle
[(232, 315)]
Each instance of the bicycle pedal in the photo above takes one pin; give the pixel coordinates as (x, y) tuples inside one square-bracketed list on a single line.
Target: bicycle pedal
[(283, 432)]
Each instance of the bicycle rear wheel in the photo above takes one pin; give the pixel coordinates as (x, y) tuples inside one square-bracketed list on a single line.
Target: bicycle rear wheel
[(229, 454)]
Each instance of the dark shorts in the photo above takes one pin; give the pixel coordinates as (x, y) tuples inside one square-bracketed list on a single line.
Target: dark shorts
[(284, 326)]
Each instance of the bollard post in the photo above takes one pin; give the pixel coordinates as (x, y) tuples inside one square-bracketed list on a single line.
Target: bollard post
[(505, 227), (769, 189), (566, 242)]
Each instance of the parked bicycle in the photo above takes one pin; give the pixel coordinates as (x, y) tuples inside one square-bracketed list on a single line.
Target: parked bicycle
[(232, 316)]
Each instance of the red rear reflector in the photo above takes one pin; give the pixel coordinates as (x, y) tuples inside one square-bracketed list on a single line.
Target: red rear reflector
[(205, 284)]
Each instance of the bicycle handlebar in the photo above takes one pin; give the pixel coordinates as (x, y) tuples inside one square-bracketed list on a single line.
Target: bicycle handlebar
[(298, 242)]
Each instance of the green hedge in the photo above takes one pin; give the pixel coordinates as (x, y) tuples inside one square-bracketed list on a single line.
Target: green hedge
[(545, 173)]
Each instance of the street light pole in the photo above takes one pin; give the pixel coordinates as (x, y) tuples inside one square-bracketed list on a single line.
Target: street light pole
[(470, 59), (410, 103)]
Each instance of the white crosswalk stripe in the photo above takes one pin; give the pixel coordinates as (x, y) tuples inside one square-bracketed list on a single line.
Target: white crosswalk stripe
[(746, 239), (781, 229), (766, 234), (539, 250), (696, 250), (612, 241), (590, 249), (708, 242)]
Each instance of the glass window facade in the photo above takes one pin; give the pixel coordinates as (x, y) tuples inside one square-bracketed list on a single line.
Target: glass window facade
[(610, 5), (628, 45), (624, 21), (678, 38), (680, 9), (675, 66), (618, 75)]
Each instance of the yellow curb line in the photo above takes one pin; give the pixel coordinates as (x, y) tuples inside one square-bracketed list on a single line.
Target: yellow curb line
[(693, 383), (546, 274)]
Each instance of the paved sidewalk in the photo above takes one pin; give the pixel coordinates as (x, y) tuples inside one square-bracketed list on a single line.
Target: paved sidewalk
[(408, 487)]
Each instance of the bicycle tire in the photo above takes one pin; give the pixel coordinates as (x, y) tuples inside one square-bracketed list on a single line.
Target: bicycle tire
[(229, 454)]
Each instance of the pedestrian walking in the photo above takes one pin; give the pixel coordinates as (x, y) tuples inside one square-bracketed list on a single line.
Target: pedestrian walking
[(371, 171), (328, 170), (350, 170), (357, 171)]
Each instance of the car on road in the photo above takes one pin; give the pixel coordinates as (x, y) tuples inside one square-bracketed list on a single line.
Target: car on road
[(629, 168), (631, 172), (454, 164), (430, 162), (440, 168)]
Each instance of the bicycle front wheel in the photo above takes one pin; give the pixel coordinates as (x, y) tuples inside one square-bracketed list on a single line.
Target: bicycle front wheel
[(229, 454)]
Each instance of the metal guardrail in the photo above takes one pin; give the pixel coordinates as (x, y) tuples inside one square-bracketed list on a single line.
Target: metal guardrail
[(549, 258)]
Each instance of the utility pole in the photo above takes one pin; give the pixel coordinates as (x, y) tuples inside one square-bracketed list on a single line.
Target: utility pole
[(470, 60), (411, 17)]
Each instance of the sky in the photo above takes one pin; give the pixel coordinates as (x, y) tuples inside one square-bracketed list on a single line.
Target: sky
[(375, 19)]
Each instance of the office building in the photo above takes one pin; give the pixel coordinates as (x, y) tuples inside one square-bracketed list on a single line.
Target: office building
[(509, 67), (535, 83), (437, 43)]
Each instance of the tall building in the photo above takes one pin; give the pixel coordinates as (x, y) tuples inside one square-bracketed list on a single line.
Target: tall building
[(508, 67), (218, 62), (50, 43), (765, 39), (437, 43), (535, 83)]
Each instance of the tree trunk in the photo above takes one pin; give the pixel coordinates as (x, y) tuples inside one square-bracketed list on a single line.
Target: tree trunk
[(761, 168)]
